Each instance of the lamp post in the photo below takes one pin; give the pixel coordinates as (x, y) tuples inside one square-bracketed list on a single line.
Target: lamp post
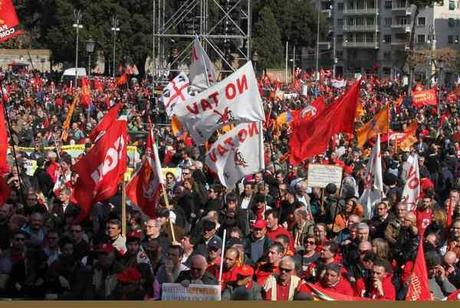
[(77, 26), (115, 29), (317, 41), (90, 44), (255, 59)]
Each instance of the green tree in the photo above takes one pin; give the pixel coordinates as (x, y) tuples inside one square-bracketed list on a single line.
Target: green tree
[(267, 39)]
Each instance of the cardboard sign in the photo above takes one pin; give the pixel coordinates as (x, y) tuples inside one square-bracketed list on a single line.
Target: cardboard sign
[(195, 292), (321, 175)]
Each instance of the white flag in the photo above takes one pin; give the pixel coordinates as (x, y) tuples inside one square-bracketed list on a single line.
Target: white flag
[(411, 190), (202, 71), (373, 189), (338, 83), (235, 99), (238, 153), (176, 92)]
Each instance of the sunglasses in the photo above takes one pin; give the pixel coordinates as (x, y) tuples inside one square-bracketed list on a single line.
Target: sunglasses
[(195, 269), (19, 239), (311, 242), (75, 231), (361, 252), (282, 269)]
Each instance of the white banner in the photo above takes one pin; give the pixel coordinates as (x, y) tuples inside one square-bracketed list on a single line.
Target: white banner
[(373, 185), (194, 292), (321, 175), (238, 153), (338, 83), (235, 99), (175, 92), (411, 190), (202, 71)]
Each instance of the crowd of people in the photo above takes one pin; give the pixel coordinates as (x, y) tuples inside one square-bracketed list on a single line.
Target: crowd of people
[(280, 236)]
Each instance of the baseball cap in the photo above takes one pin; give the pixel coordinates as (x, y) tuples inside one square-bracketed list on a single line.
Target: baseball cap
[(244, 270), (215, 244), (104, 248), (259, 224), (133, 236), (259, 198)]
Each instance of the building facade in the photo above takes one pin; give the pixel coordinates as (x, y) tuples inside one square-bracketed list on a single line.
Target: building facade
[(372, 36)]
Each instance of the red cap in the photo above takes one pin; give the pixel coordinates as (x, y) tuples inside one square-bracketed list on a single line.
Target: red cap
[(259, 224), (131, 274), (245, 270), (104, 248), (348, 169), (134, 235)]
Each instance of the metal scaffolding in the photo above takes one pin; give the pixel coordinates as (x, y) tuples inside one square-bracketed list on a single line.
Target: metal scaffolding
[(223, 27)]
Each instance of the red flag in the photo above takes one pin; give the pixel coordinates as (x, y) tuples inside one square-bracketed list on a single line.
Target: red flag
[(419, 288), (122, 80), (145, 186), (454, 296), (85, 96), (98, 86), (4, 167), (9, 21), (311, 137), (425, 98), (326, 295), (99, 172), (105, 122), (309, 112), (4, 191)]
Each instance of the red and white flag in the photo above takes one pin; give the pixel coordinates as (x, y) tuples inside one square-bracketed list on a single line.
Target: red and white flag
[(202, 71), (411, 190), (176, 92), (9, 21), (419, 287), (373, 185), (145, 186), (4, 167), (107, 120), (235, 99), (237, 153), (99, 171)]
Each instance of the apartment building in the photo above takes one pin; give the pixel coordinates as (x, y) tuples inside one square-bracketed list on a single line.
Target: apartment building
[(372, 36)]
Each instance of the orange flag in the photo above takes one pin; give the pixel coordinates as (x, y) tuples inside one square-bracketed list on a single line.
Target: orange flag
[(378, 125)]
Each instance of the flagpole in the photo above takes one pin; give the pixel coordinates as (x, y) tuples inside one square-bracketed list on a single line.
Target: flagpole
[(123, 208), (222, 256), (167, 205)]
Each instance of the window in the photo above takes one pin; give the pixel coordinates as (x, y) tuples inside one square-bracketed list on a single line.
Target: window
[(387, 55), (339, 54), (387, 38), (421, 38), (387, 21), (451, 5), (340, 22), (451, 22), (421, 21), (452, 39), (340, 6), (388, 4), (339, 39)]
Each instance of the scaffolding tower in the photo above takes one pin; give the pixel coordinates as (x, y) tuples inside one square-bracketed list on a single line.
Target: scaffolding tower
[(223, 27)]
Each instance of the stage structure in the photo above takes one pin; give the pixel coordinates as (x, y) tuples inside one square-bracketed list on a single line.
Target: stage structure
[(223, 26)]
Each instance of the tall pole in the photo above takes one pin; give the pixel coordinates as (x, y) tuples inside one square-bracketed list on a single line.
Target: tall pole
[(334, 55), (293, 63), (77, 26), (115, 29), (287, 63), (153, 39), (317, 40)]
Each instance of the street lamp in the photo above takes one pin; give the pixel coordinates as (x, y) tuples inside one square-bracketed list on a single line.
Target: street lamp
[(90, 44), (115, 29), (255, 59), (77, 26)]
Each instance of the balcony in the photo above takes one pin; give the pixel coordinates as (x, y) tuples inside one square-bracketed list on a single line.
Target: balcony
[(327, 13), (403, 10), (360, 28), (367, 45), (402, 27), (399, 43), (325, 45), (363, 11)]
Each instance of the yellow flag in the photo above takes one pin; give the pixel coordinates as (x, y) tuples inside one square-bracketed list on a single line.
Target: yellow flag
[(66, 125), (409, 137), (378, 125), (359, 110)]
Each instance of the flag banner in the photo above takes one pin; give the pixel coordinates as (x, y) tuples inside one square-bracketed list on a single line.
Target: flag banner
[(85, 95), (176, 92), (202, 71), (237, 153), (100, 170), (373, 183), (235, 99), (311, 136), (419, 287), (378, 125), (66, 125), (425, 98), (9, 21), (322, 294), (411, 190), (338, 83), (145, 185), (408, 138), (107, 120)]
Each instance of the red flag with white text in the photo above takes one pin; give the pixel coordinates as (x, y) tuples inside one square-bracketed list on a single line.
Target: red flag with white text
[(145, 185), (9, 21), (107, 120), (425, 98), (419, 287), (99, 171)]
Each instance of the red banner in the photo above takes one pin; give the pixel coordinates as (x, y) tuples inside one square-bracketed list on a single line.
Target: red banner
[(8, 21), (425, 98)]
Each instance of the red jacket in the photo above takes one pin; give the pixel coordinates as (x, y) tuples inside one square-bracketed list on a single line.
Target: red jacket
[(389, 291), (342, 287), (263, 271), (281, 231)]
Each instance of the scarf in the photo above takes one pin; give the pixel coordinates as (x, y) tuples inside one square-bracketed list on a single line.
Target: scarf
[(271, 284)]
